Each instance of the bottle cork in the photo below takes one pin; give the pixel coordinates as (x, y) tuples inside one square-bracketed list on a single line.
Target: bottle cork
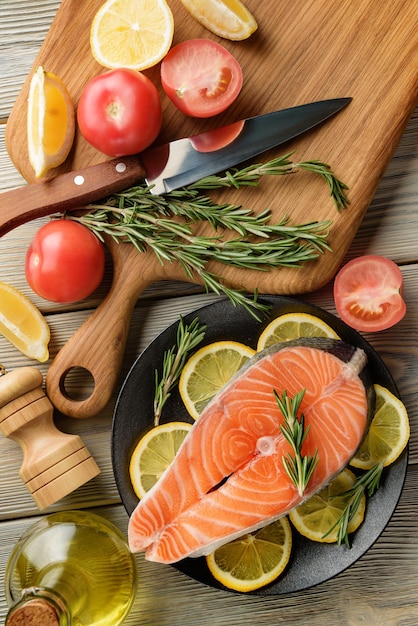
[(54, 463), (33, 613)]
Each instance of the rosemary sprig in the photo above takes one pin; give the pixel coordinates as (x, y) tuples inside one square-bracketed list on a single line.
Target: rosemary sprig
[(146, 221), (299, 467), (367, 482), (277, 167), (188, 337)]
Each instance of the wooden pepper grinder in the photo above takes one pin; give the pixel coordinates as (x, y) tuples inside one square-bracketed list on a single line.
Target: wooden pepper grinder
[(54, 463)]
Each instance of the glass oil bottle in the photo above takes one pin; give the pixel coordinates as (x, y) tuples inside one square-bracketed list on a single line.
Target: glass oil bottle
[(71, 568)]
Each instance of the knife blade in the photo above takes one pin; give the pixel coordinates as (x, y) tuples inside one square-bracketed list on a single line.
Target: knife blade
[(167, 167), (187, 160)]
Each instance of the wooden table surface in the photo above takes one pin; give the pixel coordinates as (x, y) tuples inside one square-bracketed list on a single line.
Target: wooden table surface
[(381, 588)]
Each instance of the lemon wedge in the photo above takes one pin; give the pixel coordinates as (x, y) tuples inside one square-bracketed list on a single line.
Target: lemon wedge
[(50, 122), (23, 324), (229, 19)]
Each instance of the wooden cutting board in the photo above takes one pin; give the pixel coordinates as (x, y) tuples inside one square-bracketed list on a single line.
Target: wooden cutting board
[(308, 50)]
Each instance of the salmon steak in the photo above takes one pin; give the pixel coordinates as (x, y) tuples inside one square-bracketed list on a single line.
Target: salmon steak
[(228, 477)]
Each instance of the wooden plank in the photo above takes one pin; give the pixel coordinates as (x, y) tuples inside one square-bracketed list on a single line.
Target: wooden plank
[(23, 28)]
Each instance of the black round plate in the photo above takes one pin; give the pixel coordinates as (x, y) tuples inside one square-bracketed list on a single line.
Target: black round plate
[(311, 563)]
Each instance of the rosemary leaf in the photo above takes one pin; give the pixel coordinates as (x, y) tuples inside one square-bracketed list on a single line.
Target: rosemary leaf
[(298, 467), (367, 483), (337, 187), (188, 337)]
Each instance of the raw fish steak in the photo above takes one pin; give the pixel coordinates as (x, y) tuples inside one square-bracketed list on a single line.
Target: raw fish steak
[(228, 477)]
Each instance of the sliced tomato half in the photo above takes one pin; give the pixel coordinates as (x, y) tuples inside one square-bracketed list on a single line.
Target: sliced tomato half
[(201, 77), (368, 293)]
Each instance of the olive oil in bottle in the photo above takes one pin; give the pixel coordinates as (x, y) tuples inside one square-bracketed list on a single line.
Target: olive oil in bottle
[(72, 568)]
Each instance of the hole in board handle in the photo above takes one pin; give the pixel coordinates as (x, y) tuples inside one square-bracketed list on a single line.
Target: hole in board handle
[(77, 384)]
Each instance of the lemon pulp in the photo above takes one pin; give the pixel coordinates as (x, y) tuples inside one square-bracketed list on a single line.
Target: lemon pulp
[(254, 560), (154, 453), (208, 370), (133, 34), (295, 325)]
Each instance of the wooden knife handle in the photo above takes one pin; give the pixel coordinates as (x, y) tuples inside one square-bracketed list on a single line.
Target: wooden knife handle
[(68, 191)]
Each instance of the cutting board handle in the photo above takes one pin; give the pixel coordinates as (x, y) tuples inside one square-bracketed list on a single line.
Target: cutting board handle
[(99, 343)]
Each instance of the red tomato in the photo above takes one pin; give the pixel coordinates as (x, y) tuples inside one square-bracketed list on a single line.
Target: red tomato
[(201, 77), (368, 293), (65, 262), (119, 112)]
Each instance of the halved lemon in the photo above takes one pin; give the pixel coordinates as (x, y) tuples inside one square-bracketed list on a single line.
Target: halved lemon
[(254, 560), (135, 34), (317, 515), (294, 326), (50, 122), (208, 370), (23, 324), (388, 432), (229, 19), (154, 453)]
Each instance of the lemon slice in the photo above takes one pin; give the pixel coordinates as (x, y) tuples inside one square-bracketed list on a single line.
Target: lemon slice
[(23, 324), (133, 34), (50, 122), (254, 560), (388, 432), (154, 453), (208, 370), (229, 19), (293, 326), (317, 515)]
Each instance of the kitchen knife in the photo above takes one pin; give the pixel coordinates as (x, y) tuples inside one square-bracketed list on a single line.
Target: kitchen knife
[(167, 167)]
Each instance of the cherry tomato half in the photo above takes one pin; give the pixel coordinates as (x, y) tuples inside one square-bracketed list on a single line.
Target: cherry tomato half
[(368, 293), (119, 112), (65, 262), (201, 77)]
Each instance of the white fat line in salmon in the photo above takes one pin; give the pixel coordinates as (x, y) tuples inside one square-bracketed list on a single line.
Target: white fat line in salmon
[(349, 371)]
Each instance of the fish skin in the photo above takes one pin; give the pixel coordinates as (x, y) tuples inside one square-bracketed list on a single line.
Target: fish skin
[(192, 509)]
